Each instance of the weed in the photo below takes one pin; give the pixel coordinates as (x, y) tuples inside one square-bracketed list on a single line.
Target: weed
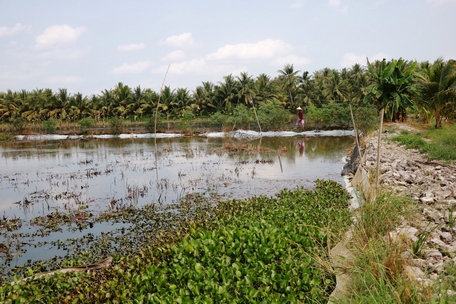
[(451, 218), (418, 245), (378, 265)]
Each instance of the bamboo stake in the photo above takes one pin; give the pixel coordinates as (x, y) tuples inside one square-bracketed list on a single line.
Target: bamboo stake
[(280, 161), (254, 111), (356, 134), (377, 178), (155, 124)]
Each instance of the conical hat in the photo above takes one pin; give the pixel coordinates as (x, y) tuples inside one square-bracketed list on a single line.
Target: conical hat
[(299, 108)]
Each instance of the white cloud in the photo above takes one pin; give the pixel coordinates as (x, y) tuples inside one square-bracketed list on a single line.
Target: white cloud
[(349, 59), (439, 2), (9, 75), (132, 68), (58, 36), (6, 31), (182, 40), (61, 53), (293, 59), (197, 66), (261, 50), (63, 79), (173, 56), (184, 67), (334, 3), (379, 56), (131, 47), (297, 4)]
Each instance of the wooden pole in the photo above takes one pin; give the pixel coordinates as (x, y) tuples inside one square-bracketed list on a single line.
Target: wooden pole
[(155, 124), (356, 134), (377, 178)]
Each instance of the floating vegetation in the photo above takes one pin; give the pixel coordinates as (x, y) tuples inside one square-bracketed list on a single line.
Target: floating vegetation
[(10, 224), (254, 250)]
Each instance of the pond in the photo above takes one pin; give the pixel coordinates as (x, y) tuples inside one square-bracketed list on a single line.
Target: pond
[(77, 180)]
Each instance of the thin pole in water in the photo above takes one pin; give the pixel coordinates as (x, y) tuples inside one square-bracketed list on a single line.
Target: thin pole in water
[(155, 123)]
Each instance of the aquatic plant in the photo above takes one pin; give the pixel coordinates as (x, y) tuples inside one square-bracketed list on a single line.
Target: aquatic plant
[(258, 249)]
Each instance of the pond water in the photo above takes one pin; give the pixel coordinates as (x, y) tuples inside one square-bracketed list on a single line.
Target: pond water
[(42, 177)]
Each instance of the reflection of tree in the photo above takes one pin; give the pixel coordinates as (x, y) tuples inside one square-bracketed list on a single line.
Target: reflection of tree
[(327, 146)]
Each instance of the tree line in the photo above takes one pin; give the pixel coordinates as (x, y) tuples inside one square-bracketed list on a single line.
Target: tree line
[(398, 86)]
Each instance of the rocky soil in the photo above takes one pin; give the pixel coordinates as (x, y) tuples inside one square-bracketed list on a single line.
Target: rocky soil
[(432, 185)]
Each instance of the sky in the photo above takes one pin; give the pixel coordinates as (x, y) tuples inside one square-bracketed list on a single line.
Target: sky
[(88, 46)]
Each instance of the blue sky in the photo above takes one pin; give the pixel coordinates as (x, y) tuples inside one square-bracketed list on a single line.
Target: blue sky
[(88, 46)]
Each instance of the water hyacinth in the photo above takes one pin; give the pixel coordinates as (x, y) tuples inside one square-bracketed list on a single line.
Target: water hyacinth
[(253, 250)]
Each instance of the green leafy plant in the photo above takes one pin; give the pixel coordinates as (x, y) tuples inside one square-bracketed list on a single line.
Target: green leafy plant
[(86, 124), (116, 126), (185, 120), (254, 250), (272, 116), (49, 126)]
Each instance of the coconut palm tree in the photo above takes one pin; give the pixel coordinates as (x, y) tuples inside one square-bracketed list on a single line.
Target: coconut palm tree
[(391, 86), (122, 97), (289, 78), (266, 90), (437, 88), (245, 91), (335, 89), (10, 105), (204, 97), (60, 105), (167, 101), (227, 93), (306, 90), (80, 107), (182, 102)]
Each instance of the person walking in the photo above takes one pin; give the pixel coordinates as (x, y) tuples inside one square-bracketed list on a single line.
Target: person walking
[(300, 118)]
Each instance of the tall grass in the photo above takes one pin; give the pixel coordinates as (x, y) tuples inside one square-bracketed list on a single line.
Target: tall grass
[(437, 143), (378, 267)]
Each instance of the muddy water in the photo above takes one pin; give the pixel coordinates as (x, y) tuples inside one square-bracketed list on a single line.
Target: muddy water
[(82, 178)]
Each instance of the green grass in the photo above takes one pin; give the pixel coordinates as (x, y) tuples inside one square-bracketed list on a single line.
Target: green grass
[(439, 144), (378, 266)]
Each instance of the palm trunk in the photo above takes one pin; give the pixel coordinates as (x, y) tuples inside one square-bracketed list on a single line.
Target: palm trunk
[(438, 119)]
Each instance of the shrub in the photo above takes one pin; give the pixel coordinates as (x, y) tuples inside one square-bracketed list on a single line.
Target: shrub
[(116, 125), (273, 116), (86, 124), (242, 116), (49, 126), (150, 124), (184, 121), (366, 118), (219, 118), (19, 125)]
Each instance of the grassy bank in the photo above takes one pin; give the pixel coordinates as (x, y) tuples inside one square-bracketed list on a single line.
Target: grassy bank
[(439, 144), (378, 268)]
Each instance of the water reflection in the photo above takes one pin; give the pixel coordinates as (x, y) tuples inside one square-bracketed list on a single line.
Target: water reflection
[(83, 178)]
